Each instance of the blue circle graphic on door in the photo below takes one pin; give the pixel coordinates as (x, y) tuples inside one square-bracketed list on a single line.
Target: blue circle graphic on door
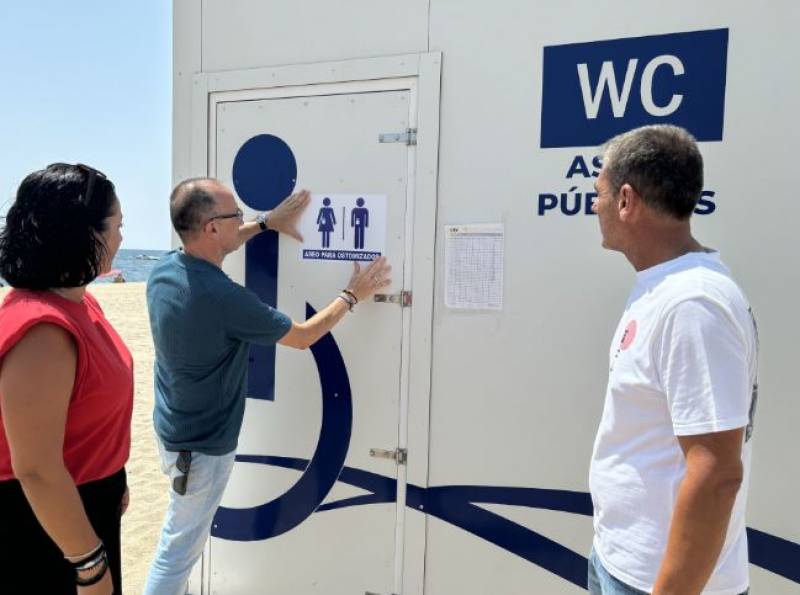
[(264, 172)]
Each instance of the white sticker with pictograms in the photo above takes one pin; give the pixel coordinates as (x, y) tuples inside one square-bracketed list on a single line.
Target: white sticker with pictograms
[(344, 227)]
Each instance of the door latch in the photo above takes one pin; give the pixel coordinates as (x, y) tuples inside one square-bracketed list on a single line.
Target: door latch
[(409, 137), (404, 299), (398, 455)]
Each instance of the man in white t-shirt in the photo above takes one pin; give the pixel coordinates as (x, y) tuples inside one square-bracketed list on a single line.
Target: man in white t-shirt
[(671, 460)]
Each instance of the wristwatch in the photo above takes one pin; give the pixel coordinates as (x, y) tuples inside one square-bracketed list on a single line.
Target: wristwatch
[(262, 221)]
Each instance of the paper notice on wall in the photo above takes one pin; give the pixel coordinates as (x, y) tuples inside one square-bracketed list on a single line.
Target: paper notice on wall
[(344, 227), (474, 266)]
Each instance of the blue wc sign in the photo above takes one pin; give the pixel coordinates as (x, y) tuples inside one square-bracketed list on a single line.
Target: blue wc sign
[(344, 227)]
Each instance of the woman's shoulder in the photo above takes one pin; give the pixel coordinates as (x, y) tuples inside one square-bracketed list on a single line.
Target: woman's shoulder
[(31, 303), (26, 303), (22, 309)]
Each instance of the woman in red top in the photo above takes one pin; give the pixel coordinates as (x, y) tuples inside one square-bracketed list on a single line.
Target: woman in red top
[(66, 389)]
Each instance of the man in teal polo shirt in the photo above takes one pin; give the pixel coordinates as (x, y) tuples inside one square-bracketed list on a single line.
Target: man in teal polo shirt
[(203, 324)]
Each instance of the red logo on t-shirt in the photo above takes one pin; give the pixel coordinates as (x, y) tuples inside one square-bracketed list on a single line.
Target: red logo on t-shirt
[(628, 336)]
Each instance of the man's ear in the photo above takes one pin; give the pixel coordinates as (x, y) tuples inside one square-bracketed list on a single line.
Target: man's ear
[(629, 203)]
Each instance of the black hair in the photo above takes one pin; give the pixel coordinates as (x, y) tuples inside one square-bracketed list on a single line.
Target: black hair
[(662, 163), (52, 238)]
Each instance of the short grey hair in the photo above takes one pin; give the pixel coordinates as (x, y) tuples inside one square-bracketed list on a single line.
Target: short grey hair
[(662, 163), (190, 204)]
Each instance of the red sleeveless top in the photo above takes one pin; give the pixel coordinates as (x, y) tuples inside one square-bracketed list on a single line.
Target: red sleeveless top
[(97, 437)]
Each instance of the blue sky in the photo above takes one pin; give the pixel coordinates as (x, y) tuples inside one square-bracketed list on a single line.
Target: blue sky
[(91, 81)]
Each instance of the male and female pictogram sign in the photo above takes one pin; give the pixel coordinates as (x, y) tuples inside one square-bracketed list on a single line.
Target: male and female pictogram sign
[(344, 227)]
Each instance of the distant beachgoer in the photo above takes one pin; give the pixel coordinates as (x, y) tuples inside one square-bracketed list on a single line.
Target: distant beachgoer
[(66, 389), (118, 278)]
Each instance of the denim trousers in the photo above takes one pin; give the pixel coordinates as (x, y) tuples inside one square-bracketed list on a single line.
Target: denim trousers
[(602, 583), (187, 522)]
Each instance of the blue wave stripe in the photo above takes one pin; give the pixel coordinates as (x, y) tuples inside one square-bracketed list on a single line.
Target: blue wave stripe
[(775, 554), (457, 505), (452, 505)]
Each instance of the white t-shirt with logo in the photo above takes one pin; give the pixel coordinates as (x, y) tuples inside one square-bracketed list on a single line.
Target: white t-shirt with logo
[(682, 362)]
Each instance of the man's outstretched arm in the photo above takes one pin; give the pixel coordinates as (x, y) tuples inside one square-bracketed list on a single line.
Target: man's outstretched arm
[(363, 285)]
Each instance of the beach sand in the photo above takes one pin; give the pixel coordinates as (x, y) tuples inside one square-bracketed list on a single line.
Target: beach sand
[(124, 305)]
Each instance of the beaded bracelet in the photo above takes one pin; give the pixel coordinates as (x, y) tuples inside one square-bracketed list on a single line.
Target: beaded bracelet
[(86, 582), (86, 556), (351, 294), (351, 302), (97, 557)]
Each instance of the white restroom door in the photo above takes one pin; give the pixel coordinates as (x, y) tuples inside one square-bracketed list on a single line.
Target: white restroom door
[(353, 544)]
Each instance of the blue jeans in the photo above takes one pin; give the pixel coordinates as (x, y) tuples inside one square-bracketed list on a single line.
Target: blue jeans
[(187, 522), (602, 583)]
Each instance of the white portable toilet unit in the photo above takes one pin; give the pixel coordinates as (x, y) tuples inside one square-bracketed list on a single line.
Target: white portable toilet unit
[(438, 441)]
